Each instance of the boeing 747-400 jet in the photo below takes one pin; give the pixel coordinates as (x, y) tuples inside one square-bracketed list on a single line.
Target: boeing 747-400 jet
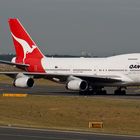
[(86, 75)]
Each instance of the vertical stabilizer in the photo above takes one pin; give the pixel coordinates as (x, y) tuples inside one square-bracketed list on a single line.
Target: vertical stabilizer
[(25, 47)]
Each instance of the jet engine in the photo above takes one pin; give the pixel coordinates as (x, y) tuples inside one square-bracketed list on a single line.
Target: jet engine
[(24, 82), (77, 84)]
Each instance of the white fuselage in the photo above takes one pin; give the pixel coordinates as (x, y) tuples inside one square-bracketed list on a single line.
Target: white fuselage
[(125, 67)]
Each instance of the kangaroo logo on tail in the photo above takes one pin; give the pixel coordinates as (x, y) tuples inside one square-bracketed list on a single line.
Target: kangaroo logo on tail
[(26, 47)]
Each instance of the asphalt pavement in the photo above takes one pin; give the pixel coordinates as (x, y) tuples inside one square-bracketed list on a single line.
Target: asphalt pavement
[(11, 133), (54, 90)]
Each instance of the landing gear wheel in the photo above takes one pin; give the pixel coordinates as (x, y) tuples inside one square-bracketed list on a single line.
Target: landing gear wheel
[(104, 92), (87, 92), (83, 92), (120, 92), (101, 92), (117, 92), (123, 92)]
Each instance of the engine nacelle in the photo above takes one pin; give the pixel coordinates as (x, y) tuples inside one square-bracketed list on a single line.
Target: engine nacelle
[(77, 84), (23, 82)]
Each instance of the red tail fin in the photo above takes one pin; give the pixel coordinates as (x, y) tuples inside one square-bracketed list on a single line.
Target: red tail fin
[(25, 47)]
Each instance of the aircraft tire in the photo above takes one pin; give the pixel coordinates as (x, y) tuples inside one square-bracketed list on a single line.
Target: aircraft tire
[(120, 92)]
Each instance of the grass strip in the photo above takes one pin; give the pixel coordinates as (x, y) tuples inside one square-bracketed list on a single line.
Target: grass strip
[(120, 116)]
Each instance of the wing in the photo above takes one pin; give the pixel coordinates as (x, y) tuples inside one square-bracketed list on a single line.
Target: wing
[(64, 77)]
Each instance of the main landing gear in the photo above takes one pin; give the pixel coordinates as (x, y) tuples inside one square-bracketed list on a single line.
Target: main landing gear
[(93, 91), (101, 91), (119, 91)]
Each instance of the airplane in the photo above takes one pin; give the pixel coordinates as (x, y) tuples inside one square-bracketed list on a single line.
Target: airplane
[(85, 75)]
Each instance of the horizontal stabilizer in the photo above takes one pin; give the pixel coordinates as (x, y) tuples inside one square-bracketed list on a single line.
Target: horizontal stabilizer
[(14, 64)]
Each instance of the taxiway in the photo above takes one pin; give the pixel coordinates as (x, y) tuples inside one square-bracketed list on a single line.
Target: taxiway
[(12, 133), (54, 90)]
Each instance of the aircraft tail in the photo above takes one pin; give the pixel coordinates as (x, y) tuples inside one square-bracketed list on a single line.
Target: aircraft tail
[(25, 47)]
